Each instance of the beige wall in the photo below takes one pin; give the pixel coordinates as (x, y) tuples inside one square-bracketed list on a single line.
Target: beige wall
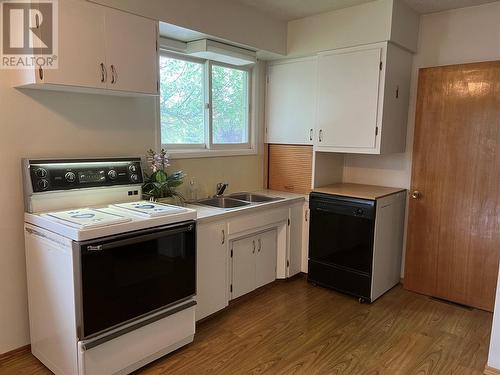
[(225, 19), (46, 124), (242, 173)]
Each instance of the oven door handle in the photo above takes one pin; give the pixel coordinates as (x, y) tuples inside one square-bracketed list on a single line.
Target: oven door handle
[(134, 240)]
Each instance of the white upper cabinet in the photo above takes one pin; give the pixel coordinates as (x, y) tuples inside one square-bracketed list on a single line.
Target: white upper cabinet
[(100, 50), (82, 54), (131, 54), (347, 98), (291, 101), (363, 97)]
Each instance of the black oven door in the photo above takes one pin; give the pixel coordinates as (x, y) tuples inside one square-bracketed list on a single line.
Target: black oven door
[(127, 276)]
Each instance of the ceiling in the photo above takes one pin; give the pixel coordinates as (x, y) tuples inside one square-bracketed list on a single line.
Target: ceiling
[(294, 9)]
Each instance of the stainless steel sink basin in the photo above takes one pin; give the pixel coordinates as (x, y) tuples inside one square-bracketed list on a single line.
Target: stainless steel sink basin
[(254, 198), (222, 202)]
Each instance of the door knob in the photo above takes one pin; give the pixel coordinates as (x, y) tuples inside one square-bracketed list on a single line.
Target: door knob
[(416, 194)]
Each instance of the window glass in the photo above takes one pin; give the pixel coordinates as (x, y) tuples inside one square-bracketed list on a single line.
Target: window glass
[(229, 105), (182, 104)]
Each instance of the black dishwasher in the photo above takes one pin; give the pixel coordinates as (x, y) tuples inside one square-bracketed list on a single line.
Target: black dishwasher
[(341, 243)]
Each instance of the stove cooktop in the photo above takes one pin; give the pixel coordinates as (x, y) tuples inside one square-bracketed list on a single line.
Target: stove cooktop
[(149, 209), (87, 218)]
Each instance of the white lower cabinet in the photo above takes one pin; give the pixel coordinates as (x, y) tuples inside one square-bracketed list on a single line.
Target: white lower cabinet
[(265, 270), (305, 239), (211, 268), (253, 262), (244, 252), (294, 256)]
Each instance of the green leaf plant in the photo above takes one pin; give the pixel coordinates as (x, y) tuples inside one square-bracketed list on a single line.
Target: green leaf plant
[(160, 184)]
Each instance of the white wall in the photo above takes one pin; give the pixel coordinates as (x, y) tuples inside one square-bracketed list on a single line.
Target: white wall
[(372, 22), (494, 354), (225, 19), (452, 37)]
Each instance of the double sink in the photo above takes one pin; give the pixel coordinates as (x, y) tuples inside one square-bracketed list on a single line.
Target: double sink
[(236, 200)]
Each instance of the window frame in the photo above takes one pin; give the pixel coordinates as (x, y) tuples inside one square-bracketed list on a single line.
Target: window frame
[(208, 148)]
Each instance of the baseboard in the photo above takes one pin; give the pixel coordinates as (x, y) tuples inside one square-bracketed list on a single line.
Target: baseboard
[(21, 350), (491, 371)]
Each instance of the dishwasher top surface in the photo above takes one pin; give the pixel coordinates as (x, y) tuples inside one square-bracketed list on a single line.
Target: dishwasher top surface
[(358, 190)]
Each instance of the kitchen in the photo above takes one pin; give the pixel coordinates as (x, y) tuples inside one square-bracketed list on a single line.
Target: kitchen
[(39, 124)]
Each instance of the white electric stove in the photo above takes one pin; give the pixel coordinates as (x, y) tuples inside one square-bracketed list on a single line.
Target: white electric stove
[(111, 277)]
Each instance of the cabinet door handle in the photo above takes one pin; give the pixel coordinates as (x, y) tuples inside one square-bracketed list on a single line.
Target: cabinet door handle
[(223, 237), (310, 134), (114, 76), (40, 73), (320, 135), (103, 73), (305, 215), (253, 242), (260, 245)]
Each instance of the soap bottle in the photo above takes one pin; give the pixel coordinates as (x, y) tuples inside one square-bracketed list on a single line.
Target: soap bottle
[(193, 189)]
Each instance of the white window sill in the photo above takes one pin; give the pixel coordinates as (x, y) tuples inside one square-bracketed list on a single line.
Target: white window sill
[(194, 153)]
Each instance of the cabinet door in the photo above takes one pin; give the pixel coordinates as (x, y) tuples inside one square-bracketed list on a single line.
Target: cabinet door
[(348, 98), (305, 239), (295, 239), (211, 269), (291, 94), (131, 52), (266, 258), (81, 46), (243, 266)]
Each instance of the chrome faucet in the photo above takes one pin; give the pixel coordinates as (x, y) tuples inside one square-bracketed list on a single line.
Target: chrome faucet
[(221, 188)]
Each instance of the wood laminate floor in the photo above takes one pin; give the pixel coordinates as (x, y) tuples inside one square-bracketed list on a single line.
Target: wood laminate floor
[(290, 327)]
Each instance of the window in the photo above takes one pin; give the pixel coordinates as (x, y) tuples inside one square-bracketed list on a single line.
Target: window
[(203, 104)]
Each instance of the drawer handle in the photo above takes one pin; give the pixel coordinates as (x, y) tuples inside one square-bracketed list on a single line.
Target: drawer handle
[(310, 134), (320, 135)]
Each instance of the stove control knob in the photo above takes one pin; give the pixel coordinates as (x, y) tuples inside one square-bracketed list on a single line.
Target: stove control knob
[(359, 212), (70, 177), (112, 174), (134, 177), (41, 173), (132, 168), (43, 184)]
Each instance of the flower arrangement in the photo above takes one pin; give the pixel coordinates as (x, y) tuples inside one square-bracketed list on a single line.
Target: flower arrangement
[(160, 184)]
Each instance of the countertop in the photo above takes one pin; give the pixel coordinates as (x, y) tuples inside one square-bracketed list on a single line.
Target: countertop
[(207, 213), (358, 190)]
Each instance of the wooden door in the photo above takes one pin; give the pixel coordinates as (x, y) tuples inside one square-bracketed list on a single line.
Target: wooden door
[(266, 258), (453, 242), (348, 98), (244, 272), (291, 101), (81, 46), (131, 52), (211, 268)]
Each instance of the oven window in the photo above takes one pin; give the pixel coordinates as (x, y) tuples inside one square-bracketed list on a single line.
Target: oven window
[(123, 282)]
